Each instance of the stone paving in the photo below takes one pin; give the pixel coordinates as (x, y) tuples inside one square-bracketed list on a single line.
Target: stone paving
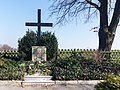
[(11, 85), (36, 82)]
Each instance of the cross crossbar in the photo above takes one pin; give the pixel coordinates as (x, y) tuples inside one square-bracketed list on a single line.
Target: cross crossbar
[(40, 24)]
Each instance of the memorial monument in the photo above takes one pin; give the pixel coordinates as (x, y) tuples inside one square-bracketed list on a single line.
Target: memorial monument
[(37, 51)]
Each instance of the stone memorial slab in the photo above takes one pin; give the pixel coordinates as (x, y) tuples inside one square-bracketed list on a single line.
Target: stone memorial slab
[(38, 53)]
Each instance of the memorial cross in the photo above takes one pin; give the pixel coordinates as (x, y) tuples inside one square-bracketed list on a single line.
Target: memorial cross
[(39, 24)]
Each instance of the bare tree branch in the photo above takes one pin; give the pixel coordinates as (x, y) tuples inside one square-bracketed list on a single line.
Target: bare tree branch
[(66, 9), (116, 16), (93, 4)]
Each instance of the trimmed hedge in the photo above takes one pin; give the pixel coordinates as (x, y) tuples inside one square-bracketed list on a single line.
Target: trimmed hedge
[(11, 74), (66, 70), (98, 71), (10, 70), (74, 68)]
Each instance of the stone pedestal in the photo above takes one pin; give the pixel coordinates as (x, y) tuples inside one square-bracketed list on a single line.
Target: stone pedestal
[(37, 80)]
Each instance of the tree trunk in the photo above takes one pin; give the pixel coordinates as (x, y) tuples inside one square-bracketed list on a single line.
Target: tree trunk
[(107, 33), (103, 31)]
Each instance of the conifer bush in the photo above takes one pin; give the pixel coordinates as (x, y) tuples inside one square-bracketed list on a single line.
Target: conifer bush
[(50, 41), (30, 39), (25, 45)]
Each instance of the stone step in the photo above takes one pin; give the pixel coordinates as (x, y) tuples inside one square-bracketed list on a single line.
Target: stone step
[(37, 78), (37, 82)]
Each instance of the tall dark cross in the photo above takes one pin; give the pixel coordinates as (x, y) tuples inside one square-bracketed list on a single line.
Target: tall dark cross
[(39, 24)]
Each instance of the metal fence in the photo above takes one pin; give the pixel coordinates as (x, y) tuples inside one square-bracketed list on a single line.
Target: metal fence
[(86, 54), (92, 54)]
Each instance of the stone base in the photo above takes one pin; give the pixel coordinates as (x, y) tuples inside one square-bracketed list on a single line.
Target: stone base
[(37, 78), (34, 83)]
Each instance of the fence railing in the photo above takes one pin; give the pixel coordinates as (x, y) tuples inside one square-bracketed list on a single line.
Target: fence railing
[(92, 54), (87, 54), (10, 54)]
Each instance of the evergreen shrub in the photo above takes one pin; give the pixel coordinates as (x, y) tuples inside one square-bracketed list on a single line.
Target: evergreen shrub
[(11, 74), (76, 67), (112, 82), (25, 45), (98, 70), (50, 41), (30, 39), (10, 70), (67, 69)]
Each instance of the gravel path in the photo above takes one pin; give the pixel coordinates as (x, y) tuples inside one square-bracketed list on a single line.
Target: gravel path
[(17, 86)]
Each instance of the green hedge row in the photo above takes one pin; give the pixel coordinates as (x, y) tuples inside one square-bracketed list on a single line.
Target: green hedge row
[(73, 68), (11, 74), (98, 71), (10, 70), (66, 70)]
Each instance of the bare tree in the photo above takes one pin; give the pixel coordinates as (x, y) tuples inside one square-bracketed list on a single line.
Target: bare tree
[(6, 47), (68, 9)]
